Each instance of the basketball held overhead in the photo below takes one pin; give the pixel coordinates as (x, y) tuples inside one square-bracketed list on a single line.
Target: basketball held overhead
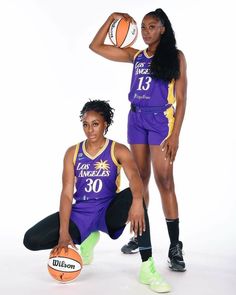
[(123, 33)]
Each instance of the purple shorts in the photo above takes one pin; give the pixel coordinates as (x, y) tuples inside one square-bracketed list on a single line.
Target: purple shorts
[(90, 217), (150, 125)]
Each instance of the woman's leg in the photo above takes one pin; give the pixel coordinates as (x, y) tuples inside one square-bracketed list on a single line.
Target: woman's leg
[(45, 234), (141, 154), (163, 173), (117, 215)]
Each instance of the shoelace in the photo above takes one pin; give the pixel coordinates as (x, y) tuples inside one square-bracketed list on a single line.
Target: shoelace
[(176, 251), (133, 241), (152, 268)]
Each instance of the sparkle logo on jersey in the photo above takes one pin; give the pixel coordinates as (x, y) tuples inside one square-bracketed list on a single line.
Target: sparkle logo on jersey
[(102, 165)]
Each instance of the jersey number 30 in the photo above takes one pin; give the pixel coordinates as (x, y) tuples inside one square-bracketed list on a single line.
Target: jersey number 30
[(93, 185)]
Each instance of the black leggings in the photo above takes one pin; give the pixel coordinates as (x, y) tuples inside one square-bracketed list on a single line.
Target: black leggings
[(45, 234)]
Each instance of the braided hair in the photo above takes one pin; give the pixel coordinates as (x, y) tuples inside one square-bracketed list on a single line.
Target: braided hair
[(102, 107)]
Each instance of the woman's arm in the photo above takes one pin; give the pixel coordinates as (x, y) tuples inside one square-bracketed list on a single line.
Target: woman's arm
[(136, 213), (171, 144), (66, 201), (109, 51)]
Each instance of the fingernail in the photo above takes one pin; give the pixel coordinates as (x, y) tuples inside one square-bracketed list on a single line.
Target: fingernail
[(162, 150)]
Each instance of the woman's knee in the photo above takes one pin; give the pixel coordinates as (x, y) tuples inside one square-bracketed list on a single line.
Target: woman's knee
[(125, 197), (145, 176), (165, 182), (117, 212), (30, 241)]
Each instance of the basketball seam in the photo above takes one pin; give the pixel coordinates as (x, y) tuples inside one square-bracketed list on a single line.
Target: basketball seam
[(117, 29)]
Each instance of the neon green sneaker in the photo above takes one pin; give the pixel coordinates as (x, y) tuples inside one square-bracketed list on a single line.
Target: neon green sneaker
[(87, 247), (149, 276)]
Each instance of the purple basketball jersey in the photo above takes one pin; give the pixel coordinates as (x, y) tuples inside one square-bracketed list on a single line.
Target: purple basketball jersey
[(97, 181), (95, 176), (146, 91)]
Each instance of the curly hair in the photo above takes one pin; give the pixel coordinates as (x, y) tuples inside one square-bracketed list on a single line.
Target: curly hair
[(102, 107), (165, 62)]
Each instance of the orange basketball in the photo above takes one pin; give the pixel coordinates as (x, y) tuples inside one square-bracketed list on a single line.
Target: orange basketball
[(65, 267), (122, 33)]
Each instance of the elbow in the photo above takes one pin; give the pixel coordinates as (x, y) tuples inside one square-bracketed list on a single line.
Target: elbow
[(95, 47), (92, 47)]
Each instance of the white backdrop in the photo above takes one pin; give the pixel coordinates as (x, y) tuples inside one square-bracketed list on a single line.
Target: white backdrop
[(47, 73)]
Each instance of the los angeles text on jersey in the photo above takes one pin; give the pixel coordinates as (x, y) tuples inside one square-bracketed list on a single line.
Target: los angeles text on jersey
[(141, 68), (99, 169)]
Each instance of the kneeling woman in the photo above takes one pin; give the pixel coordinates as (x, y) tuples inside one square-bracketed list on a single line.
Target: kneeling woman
[(93, 167)]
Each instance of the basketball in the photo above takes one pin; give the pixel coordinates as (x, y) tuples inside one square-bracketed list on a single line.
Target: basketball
[(65, 267), (122, 33)]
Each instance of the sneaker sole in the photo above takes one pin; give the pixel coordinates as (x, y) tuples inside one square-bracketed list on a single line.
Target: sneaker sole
[(175, 268), (130, 252), (160, 290)]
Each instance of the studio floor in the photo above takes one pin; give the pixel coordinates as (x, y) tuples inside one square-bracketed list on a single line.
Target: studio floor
[(24, 272)]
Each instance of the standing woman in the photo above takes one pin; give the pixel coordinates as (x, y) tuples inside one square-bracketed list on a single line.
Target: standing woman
[(158, 83)]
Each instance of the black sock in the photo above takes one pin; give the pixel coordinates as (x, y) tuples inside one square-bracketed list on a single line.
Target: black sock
[(144, 241), (173, 230), (145, 253)]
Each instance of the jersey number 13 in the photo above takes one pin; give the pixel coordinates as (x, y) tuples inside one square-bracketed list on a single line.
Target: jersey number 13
[(144, 83)]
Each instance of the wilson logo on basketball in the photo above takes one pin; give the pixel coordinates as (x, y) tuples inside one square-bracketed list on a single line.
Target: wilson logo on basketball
[(64, 264)]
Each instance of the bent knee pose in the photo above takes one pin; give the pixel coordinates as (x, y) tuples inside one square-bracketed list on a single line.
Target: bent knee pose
[(93, 168), (158, 84)]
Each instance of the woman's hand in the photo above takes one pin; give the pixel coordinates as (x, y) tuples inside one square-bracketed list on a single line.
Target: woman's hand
[(136, 217), (63, 243), (117, 15), (170, 147)]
